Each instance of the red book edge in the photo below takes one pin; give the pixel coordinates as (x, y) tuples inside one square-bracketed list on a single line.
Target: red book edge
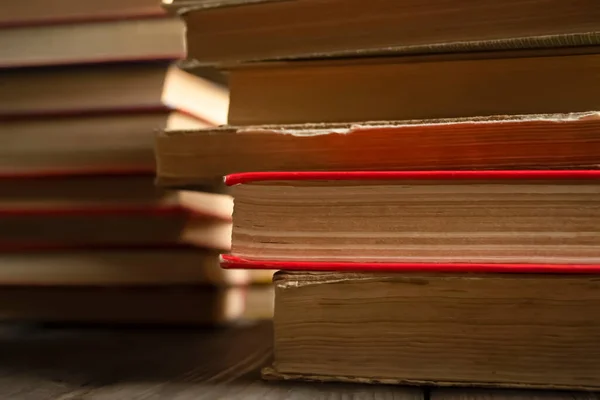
[(249, 177), (228, 261)]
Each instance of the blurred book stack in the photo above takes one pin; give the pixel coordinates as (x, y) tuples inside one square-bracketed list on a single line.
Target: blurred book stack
[(425, 176), (84, 233)]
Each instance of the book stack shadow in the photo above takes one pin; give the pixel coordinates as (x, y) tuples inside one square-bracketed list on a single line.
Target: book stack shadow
[(85, 236), (425, 178)]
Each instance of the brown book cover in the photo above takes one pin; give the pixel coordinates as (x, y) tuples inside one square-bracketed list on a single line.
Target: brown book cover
[(555, 141), (115, 40), (108, 89), (418, 87), (118, 142), (230, 31)]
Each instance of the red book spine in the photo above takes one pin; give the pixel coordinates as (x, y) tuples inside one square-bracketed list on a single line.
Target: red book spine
[(233, 262), (249, 177)]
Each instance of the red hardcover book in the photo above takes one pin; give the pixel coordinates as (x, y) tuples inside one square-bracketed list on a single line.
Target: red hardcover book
[(443, 221)]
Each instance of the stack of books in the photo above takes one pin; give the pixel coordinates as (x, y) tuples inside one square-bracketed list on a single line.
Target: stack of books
[(424, 176), (84, 233)]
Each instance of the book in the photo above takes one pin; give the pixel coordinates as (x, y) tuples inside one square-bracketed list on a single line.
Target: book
[(419, 87), (108, 191), (440, 220), (111, 88), (37, 12), (27, 228), (126, 267), (496, 142), (227, 32), (104, 210), (508, 330), (126, 39), (70, 144), (179, 305)]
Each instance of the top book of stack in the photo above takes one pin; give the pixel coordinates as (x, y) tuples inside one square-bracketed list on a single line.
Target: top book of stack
[(224, 32), (392, 85)]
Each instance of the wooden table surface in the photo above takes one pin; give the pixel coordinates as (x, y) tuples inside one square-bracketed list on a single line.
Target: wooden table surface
[(133, 363)]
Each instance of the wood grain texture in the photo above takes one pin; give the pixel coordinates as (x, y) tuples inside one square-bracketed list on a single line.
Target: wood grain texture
[(103, 363), (78, 363)]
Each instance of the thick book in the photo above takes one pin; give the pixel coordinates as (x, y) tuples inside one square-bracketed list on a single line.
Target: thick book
[(419, 87), (39, 12), (126, 267), (229, 31), (124, 39), (496, 142), (78, 90), (511, 330), (416, 220)]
